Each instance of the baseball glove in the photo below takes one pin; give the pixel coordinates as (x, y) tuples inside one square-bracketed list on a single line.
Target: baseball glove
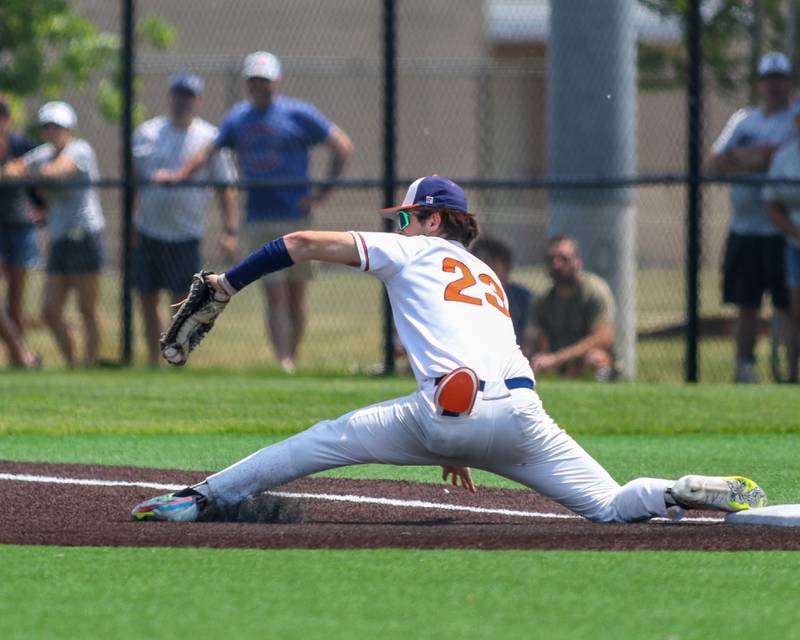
[(193, 320)]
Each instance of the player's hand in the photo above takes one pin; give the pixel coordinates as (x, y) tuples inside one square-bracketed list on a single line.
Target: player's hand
[(38, 216), (166, 176), (459, 473), (14, 169), (543, 362), (307, 203), (754, 158), (213, 280)]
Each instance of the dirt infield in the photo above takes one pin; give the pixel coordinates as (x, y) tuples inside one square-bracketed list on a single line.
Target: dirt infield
[(68, 514)]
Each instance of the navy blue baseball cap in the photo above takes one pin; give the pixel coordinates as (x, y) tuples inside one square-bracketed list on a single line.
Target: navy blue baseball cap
[(187, 83), (435, 192)]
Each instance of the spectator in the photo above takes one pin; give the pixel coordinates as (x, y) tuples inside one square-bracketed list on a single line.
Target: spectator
[(18, 249), (754, 250), (272, 135), (783, 205), (497, 254), (171, 222), (571, 327), (74, 227)]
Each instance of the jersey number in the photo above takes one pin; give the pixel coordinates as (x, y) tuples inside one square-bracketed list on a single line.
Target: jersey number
[(455, 290)]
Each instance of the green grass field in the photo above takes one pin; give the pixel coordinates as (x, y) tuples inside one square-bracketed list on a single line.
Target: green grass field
[(154, 419)]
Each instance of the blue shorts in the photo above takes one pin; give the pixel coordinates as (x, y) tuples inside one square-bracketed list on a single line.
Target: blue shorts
[(18, 245), (161, 265), (792, 266), (80, 256)]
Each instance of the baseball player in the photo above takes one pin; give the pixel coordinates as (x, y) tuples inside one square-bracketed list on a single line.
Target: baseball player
[(476, 405)]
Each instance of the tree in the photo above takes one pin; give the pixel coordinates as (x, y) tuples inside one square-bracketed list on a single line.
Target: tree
[(734, 31), (45, 48)]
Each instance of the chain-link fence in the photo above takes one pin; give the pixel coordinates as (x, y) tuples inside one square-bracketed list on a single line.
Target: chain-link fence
[(558, 117)]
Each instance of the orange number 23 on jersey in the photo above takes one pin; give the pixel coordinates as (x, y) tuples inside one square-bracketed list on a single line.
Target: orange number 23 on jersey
[(455, 290)]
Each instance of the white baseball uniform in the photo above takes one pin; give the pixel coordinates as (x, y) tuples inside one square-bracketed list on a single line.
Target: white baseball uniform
[(450, 311)]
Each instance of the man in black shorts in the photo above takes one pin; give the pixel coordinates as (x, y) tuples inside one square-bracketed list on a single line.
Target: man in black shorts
[(754, 252), (170, 223)]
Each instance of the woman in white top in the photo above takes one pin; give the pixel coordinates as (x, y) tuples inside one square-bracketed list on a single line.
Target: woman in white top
[(74, 226)]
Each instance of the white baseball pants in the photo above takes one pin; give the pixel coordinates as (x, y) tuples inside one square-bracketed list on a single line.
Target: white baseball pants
[(510, 435)]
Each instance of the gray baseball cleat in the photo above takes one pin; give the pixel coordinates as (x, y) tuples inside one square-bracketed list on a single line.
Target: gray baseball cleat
[(729, 493)]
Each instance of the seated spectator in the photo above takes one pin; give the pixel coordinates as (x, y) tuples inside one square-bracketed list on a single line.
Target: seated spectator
[(571, 327), (75, 224), (498, 256), (18, 250)]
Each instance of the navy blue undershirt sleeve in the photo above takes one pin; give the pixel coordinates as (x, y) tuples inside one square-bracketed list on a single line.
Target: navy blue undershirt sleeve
[(273, 256)]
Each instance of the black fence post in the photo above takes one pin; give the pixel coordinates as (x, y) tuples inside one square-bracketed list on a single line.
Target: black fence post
[(127, 177), (389, 154), (694, 204)]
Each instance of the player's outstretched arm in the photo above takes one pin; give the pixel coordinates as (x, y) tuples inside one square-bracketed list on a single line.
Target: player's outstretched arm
[(326, 246)]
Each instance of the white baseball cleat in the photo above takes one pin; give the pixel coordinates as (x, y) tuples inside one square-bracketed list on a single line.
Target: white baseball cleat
[(729, 493)]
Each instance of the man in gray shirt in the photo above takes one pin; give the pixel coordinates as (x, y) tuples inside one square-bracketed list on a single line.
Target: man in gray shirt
[(170, 223), (754, 251)]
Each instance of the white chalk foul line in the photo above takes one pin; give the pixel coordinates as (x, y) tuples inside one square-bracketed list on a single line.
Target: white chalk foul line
[(393, 502)]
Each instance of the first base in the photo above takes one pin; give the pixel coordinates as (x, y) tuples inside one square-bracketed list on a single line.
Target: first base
[(779, 515)]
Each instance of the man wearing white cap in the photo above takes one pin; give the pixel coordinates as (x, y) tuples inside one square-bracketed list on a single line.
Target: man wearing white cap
[(272, 135), (75, 226), (754, 251)]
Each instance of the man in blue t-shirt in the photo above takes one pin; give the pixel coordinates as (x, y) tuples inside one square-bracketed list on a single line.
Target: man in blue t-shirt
[(272, 135)]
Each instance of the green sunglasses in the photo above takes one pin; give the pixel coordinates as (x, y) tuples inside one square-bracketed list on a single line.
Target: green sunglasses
[(404, 220)]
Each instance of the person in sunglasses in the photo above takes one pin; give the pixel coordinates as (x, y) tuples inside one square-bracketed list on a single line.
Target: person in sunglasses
[(476, 405)]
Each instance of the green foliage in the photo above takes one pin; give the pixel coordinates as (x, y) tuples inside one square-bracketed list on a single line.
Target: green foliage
[(728, 27), (46, 47)]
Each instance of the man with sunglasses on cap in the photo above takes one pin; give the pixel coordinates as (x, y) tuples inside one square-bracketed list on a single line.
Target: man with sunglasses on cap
[(272, 135), (753, 260), (476, 405), (170, 223)]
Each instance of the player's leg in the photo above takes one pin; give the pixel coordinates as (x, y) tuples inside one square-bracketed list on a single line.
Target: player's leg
[(87, 287), (23, 255), (298, 313), (18, 353), (743, 286), (56, 289), (783, 262), (279, 320), (556, 466), (147, 279), (794, 344), (386, 433), (16, 278)]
